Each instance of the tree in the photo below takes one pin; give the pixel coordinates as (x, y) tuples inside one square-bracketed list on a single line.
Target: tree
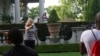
[(70, 8), (65, 8), (34, 12), (90, 10)]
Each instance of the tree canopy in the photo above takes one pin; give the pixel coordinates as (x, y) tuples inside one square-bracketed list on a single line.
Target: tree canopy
[(34, 12), (82, 10), (90, 10)]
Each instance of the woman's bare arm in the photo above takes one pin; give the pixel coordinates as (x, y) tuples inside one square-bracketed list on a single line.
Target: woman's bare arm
[(36, 37), (28, 27)]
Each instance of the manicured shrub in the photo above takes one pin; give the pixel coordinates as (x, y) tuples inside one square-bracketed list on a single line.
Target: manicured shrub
[(53, 17), (48, 48), (57, 48)]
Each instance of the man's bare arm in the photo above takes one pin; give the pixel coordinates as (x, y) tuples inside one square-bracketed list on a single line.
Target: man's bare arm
[(82, 48)]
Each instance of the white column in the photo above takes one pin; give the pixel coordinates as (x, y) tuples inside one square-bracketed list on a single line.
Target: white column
[(41, 10), (17, 11), (13, 12), (25, 10)]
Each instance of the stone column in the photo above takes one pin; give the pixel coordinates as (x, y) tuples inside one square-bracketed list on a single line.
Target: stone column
[(41, 9), (17, 11), (25, 9), (13, 12)]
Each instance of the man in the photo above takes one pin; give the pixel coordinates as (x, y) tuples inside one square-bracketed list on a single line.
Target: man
[(87, 37), (15, 37)]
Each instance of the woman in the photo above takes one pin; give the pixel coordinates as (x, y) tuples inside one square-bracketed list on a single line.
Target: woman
[(30, 33)]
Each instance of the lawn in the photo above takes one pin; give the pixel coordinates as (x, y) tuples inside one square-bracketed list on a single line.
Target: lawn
[(60, 54)]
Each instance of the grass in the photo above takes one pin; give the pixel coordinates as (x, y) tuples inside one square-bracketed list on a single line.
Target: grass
[(60, 54)]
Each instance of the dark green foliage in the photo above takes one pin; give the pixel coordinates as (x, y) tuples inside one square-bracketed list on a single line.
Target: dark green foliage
[(57, 48), (6, 18), (90, 10), (33, 12), (49, 48), (53, 17)]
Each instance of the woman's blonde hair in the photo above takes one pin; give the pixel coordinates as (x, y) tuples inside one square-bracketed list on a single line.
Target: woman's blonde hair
[(29, 19)]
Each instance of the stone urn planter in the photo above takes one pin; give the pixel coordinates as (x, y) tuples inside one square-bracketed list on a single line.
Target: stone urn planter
[(53, 25), (54, 29)]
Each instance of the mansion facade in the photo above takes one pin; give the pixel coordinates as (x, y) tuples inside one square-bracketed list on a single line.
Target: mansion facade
[(18, 8)]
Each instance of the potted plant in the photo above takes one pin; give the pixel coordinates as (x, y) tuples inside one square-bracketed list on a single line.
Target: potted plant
[(53, 25)]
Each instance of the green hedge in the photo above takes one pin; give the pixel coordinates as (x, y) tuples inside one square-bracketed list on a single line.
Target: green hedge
[(49, 48), (57, 48)]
